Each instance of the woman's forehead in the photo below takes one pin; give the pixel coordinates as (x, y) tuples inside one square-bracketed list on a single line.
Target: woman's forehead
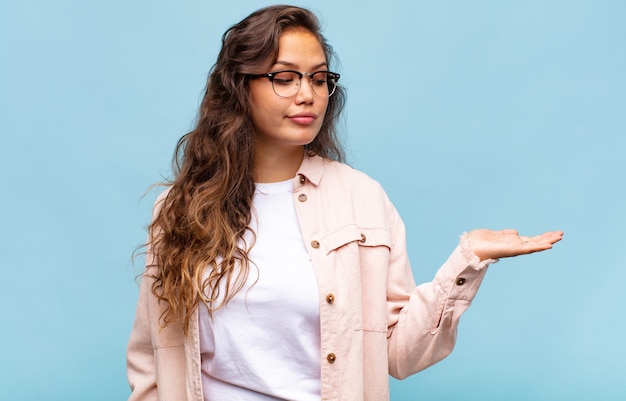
[(298, 47)]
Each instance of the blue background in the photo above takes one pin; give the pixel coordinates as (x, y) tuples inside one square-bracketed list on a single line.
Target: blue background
[(471, 114)]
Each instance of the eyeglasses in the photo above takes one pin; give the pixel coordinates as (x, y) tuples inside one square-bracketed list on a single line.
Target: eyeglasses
[(287, 83)]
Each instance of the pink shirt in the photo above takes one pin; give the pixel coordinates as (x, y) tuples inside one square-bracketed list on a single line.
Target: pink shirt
[(374, 320)]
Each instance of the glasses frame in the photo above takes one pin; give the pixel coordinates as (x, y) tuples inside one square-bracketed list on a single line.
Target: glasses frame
[(272, 75)]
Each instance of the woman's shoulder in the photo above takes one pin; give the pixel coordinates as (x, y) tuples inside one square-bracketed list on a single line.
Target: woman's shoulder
[(349, 176), (161, 197), (356, 193), (342, 182)]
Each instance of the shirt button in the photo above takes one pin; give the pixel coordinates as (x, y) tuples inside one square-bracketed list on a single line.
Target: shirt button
[(302, 197), (315, 244), (302, 179), (330, 298), (363, 238), (460, 281), (331, 358)]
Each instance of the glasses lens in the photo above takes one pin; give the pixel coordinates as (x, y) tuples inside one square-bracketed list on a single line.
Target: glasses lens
[(286, 83), (323, 83)]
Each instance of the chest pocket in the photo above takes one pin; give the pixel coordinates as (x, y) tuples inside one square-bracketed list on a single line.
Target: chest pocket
[(362, 261), (368, 237)]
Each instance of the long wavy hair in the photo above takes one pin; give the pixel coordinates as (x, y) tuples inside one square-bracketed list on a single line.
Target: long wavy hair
[(201, 221)]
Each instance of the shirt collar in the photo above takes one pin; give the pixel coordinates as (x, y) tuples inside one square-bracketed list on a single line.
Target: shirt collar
[(312, 168)]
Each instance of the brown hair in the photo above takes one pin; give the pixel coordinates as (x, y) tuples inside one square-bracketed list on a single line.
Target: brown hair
[(203, 218)]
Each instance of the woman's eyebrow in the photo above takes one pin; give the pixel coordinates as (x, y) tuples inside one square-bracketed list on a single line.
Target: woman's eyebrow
[(292, 65)]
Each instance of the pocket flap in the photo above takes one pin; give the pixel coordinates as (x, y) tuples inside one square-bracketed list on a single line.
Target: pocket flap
[(352, 233)]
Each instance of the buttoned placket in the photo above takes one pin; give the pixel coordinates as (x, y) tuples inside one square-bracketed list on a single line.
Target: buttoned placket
[(307, 216)]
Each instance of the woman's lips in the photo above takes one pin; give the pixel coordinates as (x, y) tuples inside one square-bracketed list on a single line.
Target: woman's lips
[(303, 118)]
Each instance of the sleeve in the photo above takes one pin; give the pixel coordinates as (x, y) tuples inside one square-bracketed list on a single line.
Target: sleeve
[(140, 354), (140, 362), (423, 319)]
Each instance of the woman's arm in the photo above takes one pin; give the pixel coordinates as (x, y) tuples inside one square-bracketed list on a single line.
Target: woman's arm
[(140, 363), (423, 320)]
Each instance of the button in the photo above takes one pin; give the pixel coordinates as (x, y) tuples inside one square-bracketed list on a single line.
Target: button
[(330, 298), (302, 179), (363, 238), (315, 244), (331, 358), (302, 197), (460, 281)]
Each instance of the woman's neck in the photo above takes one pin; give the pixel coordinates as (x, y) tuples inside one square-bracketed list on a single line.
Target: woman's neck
[(275, 165)]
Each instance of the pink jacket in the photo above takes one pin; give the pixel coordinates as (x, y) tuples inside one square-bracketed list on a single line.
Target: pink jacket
[(374, 320)]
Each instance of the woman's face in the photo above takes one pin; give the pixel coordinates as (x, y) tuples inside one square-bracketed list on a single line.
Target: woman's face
[(285, 123)]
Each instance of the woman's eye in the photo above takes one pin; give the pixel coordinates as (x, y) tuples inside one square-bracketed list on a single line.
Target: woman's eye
[(319, 79), (284, 79)]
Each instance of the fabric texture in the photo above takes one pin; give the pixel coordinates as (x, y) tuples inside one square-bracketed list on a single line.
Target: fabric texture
[(374, 320)]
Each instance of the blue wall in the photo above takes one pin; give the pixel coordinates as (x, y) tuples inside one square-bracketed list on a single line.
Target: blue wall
[(471, 114)]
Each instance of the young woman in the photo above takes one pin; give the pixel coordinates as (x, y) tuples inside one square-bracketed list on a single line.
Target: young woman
[(275, 272)]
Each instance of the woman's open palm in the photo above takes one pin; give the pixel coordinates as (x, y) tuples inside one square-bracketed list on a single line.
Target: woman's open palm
[(489, 244)]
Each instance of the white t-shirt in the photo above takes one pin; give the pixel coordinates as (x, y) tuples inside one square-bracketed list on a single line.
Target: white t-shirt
[(265, 343)]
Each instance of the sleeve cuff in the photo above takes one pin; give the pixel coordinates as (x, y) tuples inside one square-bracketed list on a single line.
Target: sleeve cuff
[(471, 259)]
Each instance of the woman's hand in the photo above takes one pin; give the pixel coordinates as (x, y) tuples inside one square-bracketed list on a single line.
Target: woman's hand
[(489, 244)]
